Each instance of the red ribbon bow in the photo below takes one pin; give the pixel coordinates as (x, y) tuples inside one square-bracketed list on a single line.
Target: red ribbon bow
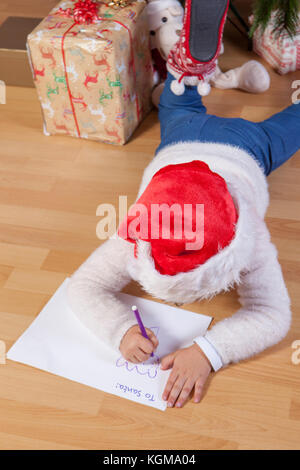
[(84, 11)]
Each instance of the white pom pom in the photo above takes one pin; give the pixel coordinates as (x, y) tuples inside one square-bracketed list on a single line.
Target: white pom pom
[(177, 87), (203, 88)]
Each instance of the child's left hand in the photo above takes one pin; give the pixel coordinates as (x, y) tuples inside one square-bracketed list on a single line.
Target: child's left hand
[(191, 368)]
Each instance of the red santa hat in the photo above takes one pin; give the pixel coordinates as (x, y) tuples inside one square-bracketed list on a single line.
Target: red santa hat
[(187, 185)]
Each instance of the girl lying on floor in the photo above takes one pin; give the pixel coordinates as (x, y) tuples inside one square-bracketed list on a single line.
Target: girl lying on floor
[(220, 164)]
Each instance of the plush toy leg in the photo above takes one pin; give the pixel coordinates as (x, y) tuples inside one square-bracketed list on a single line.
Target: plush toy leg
[(225, 80), (251, 77)]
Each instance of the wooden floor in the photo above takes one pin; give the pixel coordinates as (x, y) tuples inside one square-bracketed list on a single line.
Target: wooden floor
[(49, 190)]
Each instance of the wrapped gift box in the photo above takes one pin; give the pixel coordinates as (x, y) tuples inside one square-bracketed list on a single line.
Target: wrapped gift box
[(94, 80), (280, 51)]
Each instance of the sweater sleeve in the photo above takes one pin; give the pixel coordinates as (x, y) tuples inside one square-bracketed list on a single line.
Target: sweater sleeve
[(92, 292), (265, 316)]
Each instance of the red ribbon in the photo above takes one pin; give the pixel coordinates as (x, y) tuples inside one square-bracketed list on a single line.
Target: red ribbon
[(67, 79), (85, 11)]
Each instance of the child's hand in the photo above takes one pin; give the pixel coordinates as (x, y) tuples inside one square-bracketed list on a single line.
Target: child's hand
[(134, 347), (191, 368)]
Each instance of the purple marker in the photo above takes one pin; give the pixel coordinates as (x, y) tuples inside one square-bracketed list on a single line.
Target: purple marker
[(140, 323)]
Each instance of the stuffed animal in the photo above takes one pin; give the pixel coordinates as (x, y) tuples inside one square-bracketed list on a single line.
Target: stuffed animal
[(165, 18), (165, 23)]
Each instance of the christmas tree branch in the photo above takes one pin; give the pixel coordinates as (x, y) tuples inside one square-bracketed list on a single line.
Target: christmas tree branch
[(286, 16)]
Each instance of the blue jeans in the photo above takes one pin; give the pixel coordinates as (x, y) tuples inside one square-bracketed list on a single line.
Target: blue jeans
[(270, 142)]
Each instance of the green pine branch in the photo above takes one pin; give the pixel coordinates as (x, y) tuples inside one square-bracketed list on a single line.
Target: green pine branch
[(286, 18)]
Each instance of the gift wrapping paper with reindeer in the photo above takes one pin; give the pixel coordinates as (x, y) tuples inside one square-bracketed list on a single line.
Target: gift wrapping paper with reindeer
[(280, 50), (92, 69)]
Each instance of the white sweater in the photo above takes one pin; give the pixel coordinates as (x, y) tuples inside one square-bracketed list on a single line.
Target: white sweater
[(249, 262)]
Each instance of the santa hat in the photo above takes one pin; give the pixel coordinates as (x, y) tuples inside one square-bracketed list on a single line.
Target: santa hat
[(187, 185), (156, 7)]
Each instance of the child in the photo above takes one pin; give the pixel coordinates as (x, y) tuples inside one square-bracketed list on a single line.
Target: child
[(222, 164)]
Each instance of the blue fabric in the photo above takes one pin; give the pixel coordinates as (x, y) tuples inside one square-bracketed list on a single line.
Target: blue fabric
[(270, 142)]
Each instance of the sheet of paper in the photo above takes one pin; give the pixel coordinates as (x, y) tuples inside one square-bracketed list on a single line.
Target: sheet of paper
[(59, 343)]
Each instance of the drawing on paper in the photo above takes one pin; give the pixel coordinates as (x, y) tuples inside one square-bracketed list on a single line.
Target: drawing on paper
[(148, 368)]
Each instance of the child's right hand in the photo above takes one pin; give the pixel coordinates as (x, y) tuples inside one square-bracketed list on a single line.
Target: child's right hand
[(135, 348)]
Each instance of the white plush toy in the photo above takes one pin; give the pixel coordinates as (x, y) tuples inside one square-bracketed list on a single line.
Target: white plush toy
[(165, 22), (164, 13)]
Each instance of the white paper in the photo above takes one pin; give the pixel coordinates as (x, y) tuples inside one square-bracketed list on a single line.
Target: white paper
[(59, 343)]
